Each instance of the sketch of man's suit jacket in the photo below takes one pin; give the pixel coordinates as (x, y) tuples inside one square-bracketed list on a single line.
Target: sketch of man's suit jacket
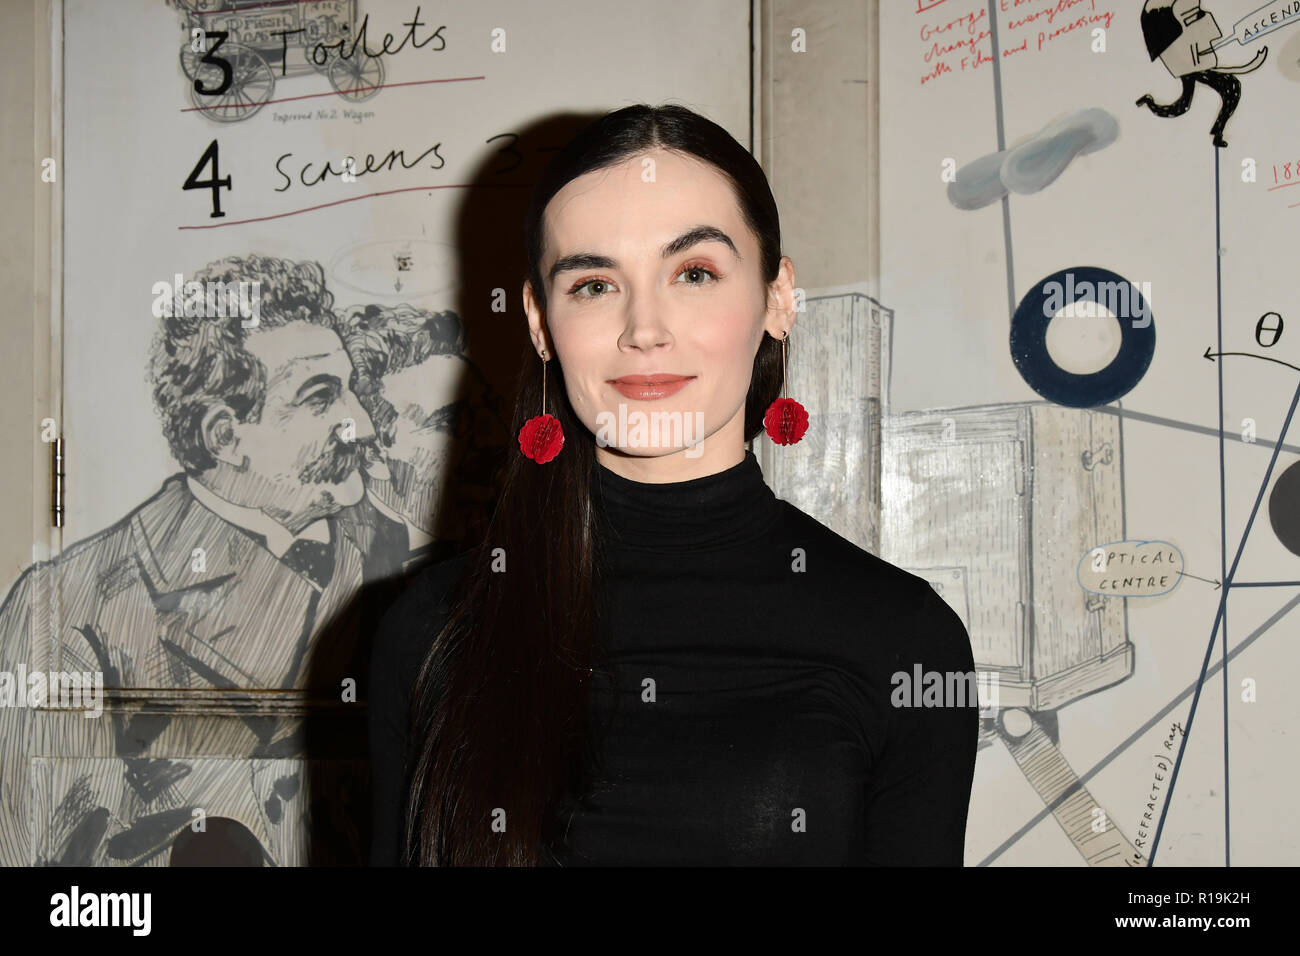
[(173, 599)]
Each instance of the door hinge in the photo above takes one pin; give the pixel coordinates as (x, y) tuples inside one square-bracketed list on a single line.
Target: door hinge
[(56, 481)]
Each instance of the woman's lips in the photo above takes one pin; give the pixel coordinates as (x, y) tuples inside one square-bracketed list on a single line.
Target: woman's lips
[(648, 388)]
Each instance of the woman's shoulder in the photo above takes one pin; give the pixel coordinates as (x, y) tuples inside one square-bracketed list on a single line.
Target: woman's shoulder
[(429, 587), (881, 592), (408, 622), (837, 557)]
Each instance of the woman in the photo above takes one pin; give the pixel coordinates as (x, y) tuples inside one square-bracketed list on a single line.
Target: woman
[(652, 659)]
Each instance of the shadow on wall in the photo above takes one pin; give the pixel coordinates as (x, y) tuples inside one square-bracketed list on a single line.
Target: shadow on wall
[(375, 440)]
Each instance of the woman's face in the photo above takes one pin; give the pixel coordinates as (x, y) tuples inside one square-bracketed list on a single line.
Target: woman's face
[(650, 270)]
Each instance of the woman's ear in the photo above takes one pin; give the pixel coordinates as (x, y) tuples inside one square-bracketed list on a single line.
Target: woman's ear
[(218, 429), (536, 323), (784, 301)]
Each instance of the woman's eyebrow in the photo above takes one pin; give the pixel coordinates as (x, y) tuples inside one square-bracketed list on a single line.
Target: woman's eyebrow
[(692, 237)]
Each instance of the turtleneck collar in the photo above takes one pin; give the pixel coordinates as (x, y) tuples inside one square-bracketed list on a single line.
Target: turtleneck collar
[(720, 510)]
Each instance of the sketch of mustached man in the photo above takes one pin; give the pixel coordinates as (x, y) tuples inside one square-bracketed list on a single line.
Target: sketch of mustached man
[(239, 573), (1182, 34), (271, 438), (439, 424)]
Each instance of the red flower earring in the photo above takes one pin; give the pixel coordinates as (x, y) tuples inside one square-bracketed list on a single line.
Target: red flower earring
[(541, 438), (786, 420)]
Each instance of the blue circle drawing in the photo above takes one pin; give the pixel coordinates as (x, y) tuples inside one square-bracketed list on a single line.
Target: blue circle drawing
[(1060, 289)]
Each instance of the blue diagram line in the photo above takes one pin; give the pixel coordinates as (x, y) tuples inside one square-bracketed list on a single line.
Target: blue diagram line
[(1262, 441), (1002, 144), (1223, 518), (1266, 584), (1218, 617), (1123, 498), (1132, 738)]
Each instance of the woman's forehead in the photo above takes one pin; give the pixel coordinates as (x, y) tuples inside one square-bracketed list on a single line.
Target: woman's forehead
[(640, 204)]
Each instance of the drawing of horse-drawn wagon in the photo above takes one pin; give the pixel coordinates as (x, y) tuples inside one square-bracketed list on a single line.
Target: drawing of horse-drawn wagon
[(243, 45)]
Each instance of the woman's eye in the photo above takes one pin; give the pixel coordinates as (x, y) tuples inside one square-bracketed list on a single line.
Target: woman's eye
[(576, 290), (697, 275), (700, 270), (320, 400)]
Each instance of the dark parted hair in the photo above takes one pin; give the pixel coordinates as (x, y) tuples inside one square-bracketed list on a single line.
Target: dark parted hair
[(200, 361), (498, 711)]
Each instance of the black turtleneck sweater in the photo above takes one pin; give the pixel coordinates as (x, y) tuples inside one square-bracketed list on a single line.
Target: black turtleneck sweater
[(770, 737)]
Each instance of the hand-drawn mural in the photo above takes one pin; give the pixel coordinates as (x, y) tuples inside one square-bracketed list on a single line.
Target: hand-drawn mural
[(994, 505), (233, 50), (1045, 461), (1181, 35), (246, 569), (437, 415)]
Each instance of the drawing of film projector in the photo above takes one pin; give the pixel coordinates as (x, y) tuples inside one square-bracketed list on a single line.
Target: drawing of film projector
[(233, 49), (1014, 493)]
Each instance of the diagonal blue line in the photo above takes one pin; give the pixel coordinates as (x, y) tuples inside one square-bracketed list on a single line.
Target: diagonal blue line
[(1223, 513), (1002, 144), (1223, 600), (1132, 738)]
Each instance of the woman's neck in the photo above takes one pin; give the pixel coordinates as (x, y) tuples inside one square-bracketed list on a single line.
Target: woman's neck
[(721, 509)]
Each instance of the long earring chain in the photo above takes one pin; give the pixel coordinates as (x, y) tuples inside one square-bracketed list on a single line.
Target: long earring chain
[(783, 338)]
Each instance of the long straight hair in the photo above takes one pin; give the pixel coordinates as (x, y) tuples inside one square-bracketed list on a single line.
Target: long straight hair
[(498, 713)]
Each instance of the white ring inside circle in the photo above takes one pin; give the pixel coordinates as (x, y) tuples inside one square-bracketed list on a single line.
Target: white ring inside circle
[(1084, 337)]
